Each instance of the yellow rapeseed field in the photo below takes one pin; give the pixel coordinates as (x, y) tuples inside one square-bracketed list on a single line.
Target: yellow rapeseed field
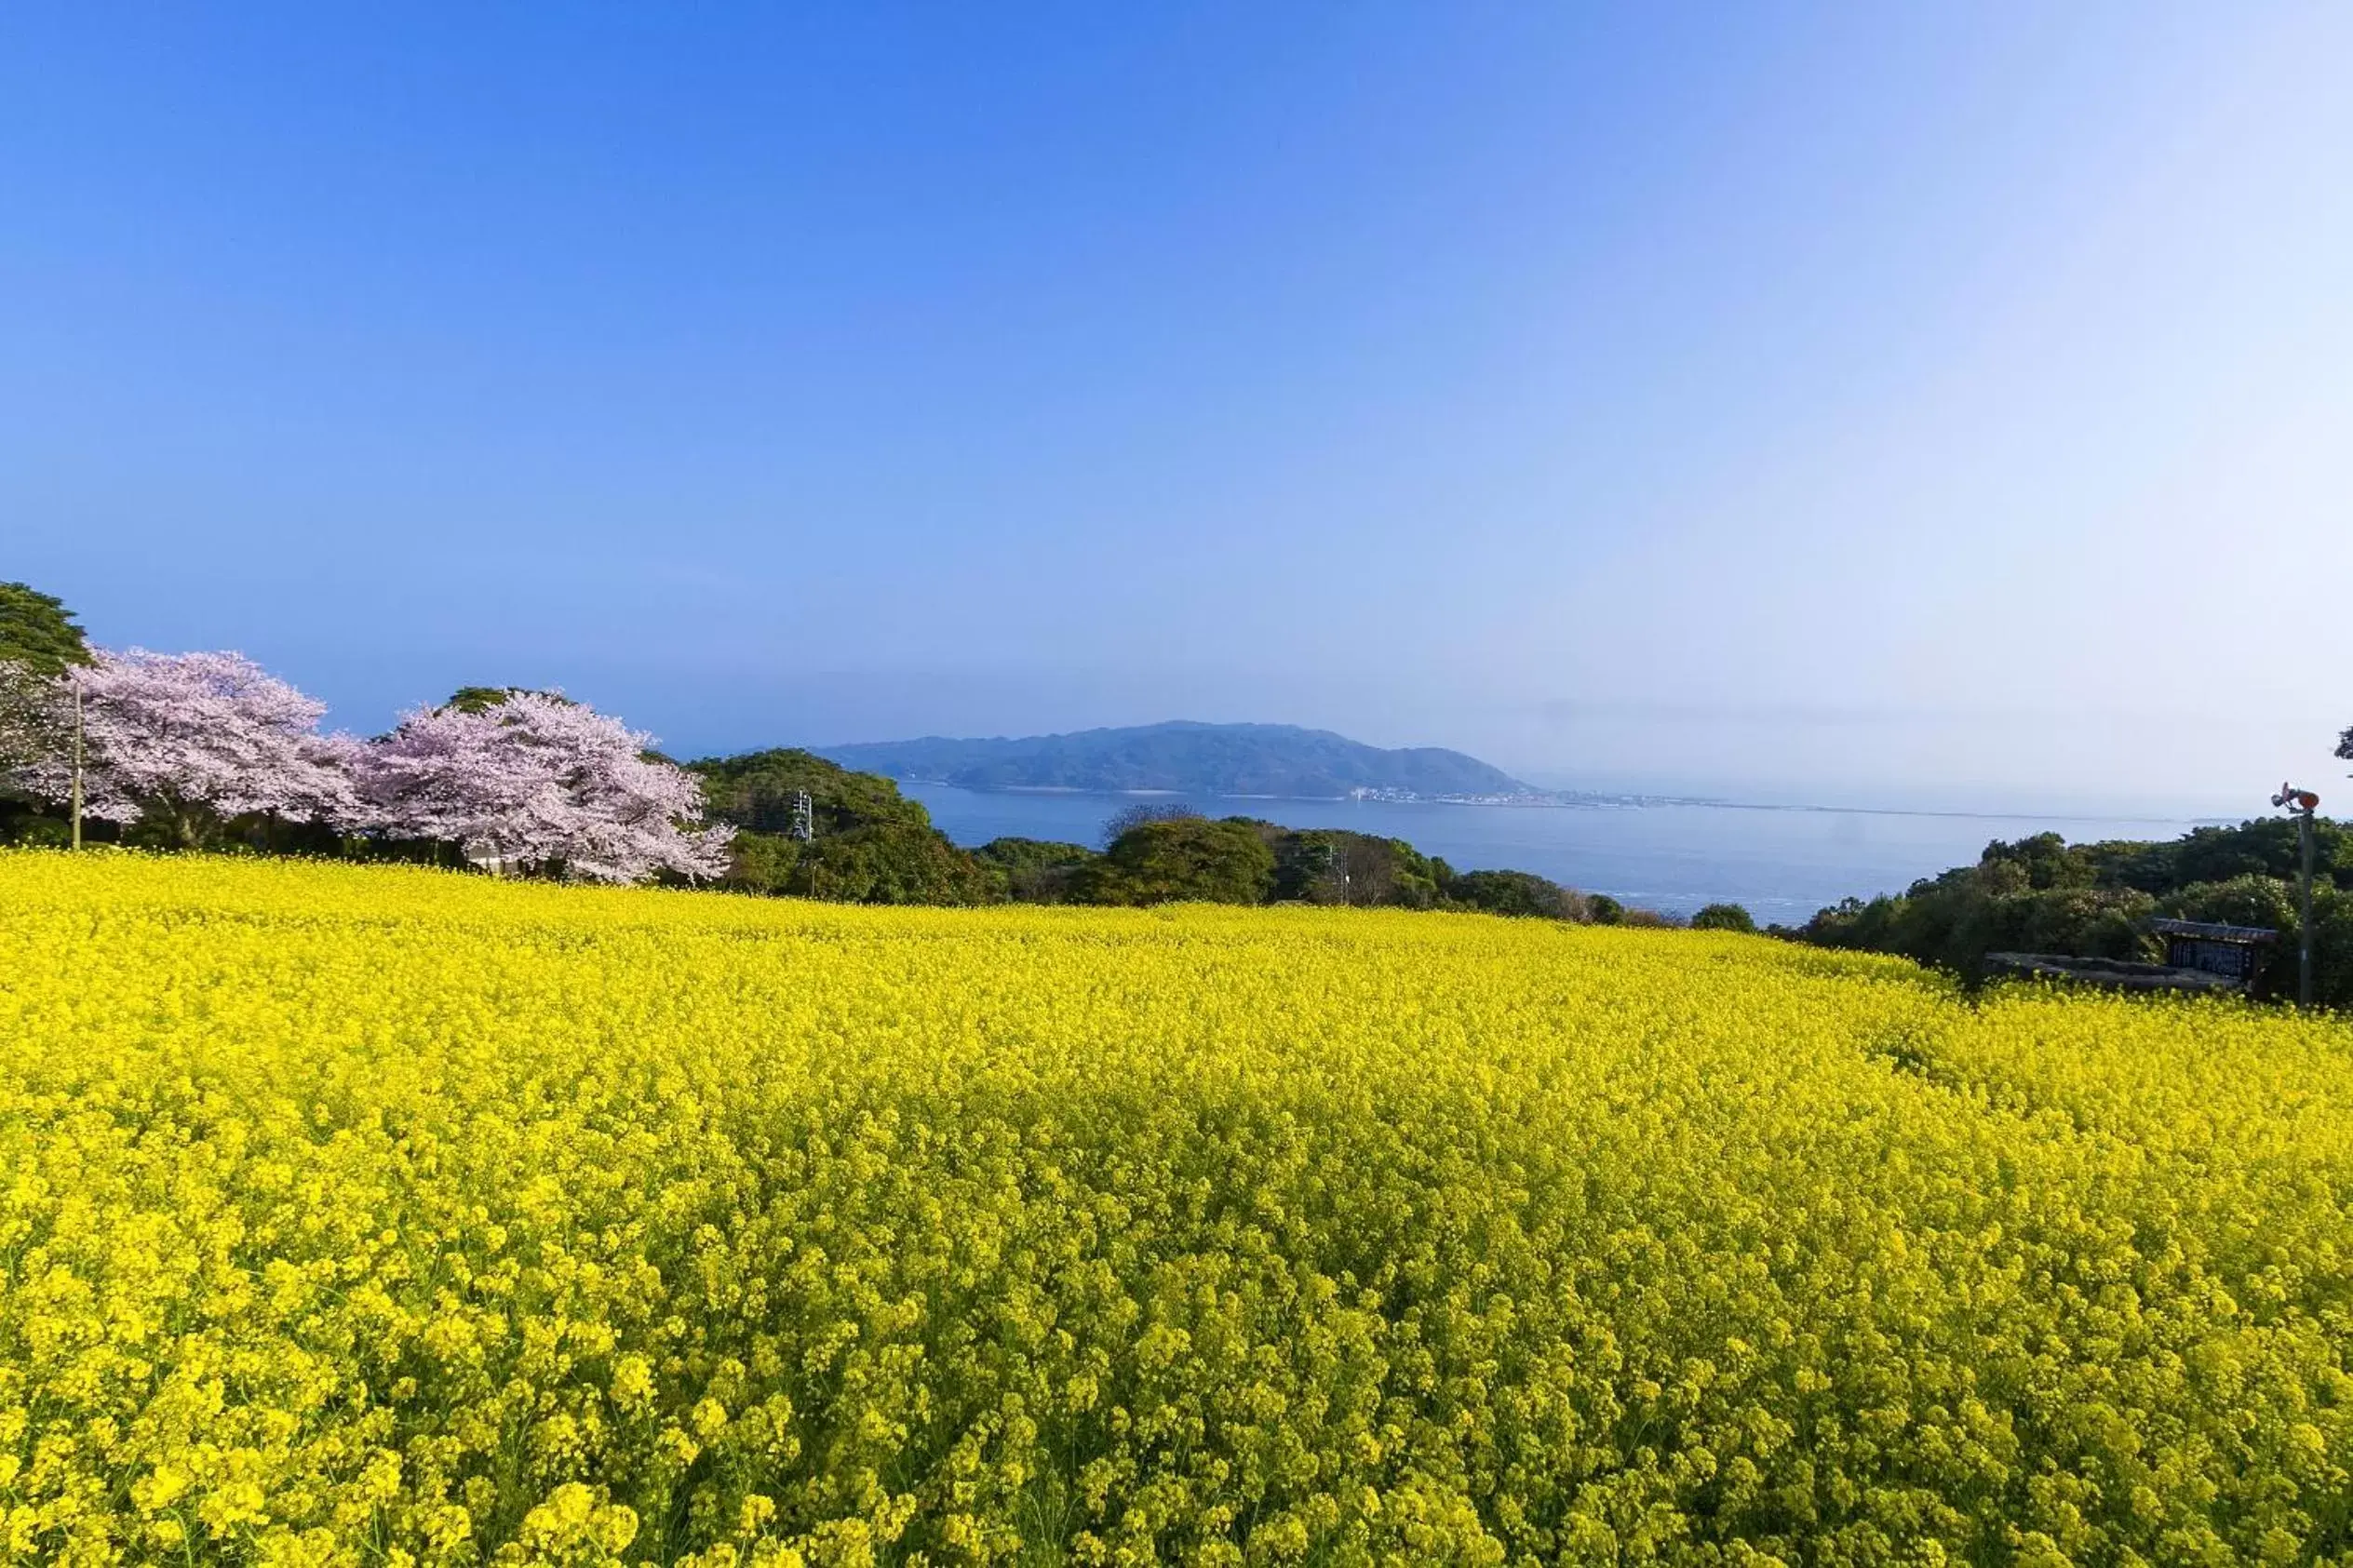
[(357, 1215)]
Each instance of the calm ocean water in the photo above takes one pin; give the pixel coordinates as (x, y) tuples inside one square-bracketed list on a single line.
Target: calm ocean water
[(1783, 862)]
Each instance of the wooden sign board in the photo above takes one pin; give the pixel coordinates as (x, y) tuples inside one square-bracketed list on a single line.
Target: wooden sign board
[(2233, 952), (2233, 959)]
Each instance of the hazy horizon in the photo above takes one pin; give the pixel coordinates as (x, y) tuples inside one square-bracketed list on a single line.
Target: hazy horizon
[(1843, 404)]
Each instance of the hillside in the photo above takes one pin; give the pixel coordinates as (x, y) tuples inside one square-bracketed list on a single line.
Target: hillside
[(361, 1216), (1267, 759)]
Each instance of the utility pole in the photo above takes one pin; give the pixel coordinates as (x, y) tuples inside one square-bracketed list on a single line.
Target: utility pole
[(77, 766), (1336, 870), (2302, 803), (804, 831)]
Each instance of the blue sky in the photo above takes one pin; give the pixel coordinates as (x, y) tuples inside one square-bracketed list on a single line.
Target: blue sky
[(1876, 398)]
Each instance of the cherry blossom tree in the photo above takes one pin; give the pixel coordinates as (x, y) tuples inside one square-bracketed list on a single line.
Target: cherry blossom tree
[(530, 780), (186, 741)]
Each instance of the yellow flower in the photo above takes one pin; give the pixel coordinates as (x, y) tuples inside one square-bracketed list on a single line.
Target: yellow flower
[(364, 1213)]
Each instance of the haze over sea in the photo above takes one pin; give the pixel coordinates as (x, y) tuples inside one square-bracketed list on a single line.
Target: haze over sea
[(1782, 861)]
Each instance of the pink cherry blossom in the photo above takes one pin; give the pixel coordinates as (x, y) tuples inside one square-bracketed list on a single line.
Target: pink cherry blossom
[(174, 734), (537, 782)]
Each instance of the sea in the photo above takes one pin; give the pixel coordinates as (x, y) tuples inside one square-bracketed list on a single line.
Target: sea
[(1783, 862)]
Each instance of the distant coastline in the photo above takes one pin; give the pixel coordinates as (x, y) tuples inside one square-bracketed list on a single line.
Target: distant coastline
[(1571, 799)]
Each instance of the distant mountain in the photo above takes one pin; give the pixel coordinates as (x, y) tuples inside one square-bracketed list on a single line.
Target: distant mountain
[(1278, 759)]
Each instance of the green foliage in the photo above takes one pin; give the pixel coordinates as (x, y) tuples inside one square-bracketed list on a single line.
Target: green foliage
[(39, 640), (2266, 847), (896, 862), (1517, 892), (1033, 855), (2332, 953), (2038, 862), (1037, 870), (766, 862), (1333, 865), (1165, 852), (38, 632), (1603, 910), (1723, 917), (755, 791), (2043, 895), (1955, 922), (885, 863), (872, 845), (1119, 821), (1185, 858), (20, 824), (482, 699), (2242, 900)]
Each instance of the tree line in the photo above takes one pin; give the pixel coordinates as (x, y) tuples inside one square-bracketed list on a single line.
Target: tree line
[(2042, 895), (210, 751)]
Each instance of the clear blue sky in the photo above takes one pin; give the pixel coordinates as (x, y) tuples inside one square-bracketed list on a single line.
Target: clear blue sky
[(1798, 397)]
